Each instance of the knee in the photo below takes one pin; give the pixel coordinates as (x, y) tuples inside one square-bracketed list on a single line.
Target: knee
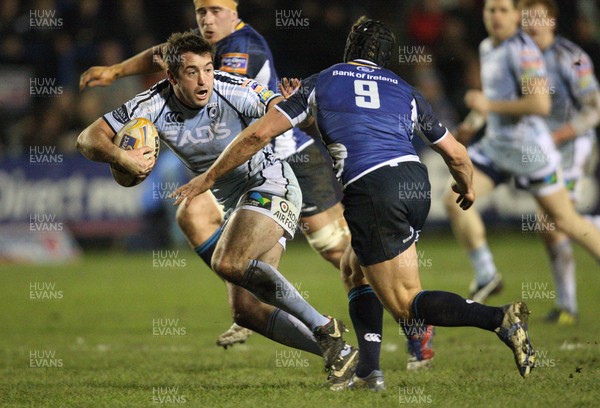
[(229, 267), (183, 219)]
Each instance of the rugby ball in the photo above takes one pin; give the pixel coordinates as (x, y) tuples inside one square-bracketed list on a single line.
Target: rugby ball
[(136, 133)]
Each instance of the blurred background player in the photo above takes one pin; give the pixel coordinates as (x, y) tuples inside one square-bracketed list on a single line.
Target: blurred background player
[(357, 106), (575, 113), (252, 196), (241, 50), (517, 142)]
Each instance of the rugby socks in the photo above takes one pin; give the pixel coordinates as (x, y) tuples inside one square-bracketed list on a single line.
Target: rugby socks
[(563, 271), (207, 248), (268, 285), (366, 312), (440, 308), (289, 331), (483, 264)]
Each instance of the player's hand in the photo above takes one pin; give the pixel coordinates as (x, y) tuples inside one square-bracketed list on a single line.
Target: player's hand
[(98, 76), (134, 162), (466, 196), (194, 187), (563, 134), (289, 86), (476, 100)]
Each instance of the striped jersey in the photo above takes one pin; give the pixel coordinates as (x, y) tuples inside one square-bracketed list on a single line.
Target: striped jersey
[(198, 136)]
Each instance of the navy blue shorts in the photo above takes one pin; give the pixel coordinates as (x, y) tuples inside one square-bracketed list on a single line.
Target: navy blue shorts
[(386, 209)]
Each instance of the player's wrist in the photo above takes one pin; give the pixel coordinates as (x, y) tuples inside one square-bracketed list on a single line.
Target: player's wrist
[(117, 70)]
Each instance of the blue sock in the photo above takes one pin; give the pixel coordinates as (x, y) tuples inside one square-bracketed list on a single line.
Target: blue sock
[(447, 309), (366, 312), (207, 248)]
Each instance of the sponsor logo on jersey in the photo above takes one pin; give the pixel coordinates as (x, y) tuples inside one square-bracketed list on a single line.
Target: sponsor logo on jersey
[(121, 114), (262, 91), (174, 117), (202, 134), (365, 69), (235, 62)]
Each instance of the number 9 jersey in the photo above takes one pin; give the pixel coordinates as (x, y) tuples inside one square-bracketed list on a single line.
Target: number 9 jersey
[(366, 114)]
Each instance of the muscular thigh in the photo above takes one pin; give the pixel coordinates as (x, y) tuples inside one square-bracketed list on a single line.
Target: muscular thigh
[(249, 235), (200, 219)]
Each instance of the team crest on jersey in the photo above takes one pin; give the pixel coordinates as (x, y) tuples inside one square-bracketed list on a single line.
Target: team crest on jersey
[(212, 109), (235, 62), (121, 114)]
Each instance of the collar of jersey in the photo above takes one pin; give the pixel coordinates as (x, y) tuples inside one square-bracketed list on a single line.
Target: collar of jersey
[(240, 25), (363, 63)]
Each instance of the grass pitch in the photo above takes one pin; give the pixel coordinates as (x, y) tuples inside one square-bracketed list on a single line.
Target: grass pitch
[(126, 330)]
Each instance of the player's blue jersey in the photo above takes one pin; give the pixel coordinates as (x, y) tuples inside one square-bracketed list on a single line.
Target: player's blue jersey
[(245, 52), (367, 116)]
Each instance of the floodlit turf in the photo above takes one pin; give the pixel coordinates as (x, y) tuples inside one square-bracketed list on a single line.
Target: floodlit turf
[(125, 331)]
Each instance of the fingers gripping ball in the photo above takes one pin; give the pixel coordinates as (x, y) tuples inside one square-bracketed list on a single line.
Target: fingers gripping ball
[(136, 133)]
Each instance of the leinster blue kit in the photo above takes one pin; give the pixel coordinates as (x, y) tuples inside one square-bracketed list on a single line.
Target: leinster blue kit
[(372, 128), (367, 116)]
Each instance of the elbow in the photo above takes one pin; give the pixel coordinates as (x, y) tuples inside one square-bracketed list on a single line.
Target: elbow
[(81, 142)]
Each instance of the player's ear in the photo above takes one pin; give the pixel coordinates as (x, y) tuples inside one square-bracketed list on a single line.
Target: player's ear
[(171, 77)]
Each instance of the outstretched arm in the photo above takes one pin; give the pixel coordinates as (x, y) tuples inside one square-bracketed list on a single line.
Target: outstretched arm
[(241, 149), (146, 62), (460, 166)]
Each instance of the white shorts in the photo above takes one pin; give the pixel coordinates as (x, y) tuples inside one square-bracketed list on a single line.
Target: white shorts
[(575, 155), (275, 194), (540, 175)]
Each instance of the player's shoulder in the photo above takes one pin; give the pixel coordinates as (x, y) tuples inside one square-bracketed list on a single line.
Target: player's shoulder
[(244, 33), (158, 93), (564, 46), (523, 41), (223, 78)]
